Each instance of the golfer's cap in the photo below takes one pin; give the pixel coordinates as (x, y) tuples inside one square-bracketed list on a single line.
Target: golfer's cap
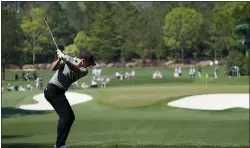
[(87, 56)]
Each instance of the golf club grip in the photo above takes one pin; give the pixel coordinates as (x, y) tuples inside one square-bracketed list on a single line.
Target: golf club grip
[(45, 19)]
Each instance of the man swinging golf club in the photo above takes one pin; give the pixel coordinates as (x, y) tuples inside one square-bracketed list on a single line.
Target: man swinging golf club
[(68, 70)]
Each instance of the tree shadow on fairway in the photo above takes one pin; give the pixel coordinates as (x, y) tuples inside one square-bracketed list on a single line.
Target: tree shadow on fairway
[(27, 145), (12, 136), (8, 112)]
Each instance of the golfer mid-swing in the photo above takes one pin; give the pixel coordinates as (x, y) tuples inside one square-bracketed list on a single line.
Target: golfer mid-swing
[(68, 70)]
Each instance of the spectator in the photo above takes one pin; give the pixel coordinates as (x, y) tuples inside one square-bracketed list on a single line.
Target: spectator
[(237, 68), (37, 82), (191, 72), (29, 87), (93, 84), (84, 85), (41, 83), (16, 88), (16, 77), (231, 72), (35, 75), (179, 71), (105, 82), (117, 75), (126, 75), (199, 72), (27, 77), (23, 76), (99, 71), (154, 75), (121, 75), (133, 75), (21, 88), (157, 75), (10, 87), (215, 72), (94, 74)]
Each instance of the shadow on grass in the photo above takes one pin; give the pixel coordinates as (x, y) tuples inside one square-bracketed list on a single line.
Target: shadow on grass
[(12, 136), (8, 112), (29, 145)]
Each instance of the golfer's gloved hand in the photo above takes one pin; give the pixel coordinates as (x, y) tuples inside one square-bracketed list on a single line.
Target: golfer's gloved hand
[(60, 54)]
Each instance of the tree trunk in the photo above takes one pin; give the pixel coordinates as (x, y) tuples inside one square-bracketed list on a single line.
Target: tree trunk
[(182, 55), (122, 54), (34, 54), (215, 54), (3, 70)]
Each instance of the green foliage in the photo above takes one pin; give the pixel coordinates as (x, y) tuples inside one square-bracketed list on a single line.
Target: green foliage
[(103, 33), (60, 26), (81, 41), (76, 16), (71, 50), (236, 58), (223, 33), (117, 31), (12, 36), (241, 12), (33, 25), (182, 27), (35, 30), (246, 67)]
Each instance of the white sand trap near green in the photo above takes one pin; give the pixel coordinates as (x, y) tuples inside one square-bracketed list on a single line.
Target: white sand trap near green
[(213, 102), (43, 104)]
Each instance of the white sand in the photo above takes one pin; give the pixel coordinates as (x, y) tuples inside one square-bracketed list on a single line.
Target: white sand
[(43, 104), (213, 102)]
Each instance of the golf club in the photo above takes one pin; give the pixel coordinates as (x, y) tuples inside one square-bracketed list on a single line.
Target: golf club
[(50, 32)]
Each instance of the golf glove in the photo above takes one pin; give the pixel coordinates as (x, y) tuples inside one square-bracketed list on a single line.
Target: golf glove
[(60, 54)]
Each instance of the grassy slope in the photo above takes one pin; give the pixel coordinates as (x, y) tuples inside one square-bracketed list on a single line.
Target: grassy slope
[(134, 115)]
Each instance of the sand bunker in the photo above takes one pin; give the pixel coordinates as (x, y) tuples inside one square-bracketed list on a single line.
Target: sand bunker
[(73, 98), (213, 102)]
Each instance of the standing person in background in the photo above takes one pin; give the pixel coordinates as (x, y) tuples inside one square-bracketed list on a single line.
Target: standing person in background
[(199, 72), (68, 70), (190, 71), (215, 72), (37, 82), (23, 75), (231, 72), (16, 77), (35, 75), (94, 74), (237, 71), (41, 83), (133, 75), (179, 71)]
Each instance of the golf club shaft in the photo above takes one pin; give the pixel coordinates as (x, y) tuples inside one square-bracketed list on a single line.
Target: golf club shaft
[(50, 32)]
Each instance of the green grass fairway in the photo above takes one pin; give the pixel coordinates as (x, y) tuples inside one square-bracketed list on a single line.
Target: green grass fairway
[(132, 113)]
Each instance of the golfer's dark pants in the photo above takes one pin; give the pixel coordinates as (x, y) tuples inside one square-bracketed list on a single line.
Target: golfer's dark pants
[(56, 97)]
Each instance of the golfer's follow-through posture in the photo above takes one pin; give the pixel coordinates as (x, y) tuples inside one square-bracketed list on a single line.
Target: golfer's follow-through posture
[(68, 70)]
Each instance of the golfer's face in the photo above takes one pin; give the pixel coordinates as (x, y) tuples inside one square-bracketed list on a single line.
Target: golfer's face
[(82, 63)]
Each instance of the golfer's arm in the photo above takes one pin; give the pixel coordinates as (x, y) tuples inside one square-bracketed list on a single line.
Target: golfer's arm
[(56, 64), (71, 63)]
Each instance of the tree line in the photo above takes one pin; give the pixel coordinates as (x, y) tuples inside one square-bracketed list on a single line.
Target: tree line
[(122, 31)]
